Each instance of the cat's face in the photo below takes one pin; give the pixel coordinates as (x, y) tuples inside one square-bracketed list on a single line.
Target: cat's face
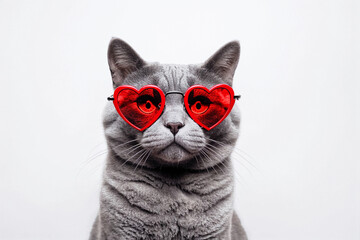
[(174, 139)]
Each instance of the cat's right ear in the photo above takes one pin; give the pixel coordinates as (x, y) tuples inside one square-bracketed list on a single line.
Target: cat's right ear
[(224, 61), (122, 60)]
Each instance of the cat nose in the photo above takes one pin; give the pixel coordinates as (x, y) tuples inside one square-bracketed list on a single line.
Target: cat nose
[(174, 126)]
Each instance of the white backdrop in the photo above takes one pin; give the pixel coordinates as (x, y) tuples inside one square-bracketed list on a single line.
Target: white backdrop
[(298, 177)]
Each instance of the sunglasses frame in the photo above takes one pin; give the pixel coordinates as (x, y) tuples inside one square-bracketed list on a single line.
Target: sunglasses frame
[(163, 99)]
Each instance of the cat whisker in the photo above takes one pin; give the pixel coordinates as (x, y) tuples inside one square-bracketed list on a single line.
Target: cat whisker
[(147, 157), (242, 159), (122, 144), (84, 164), (127, 160), (239, 159), (217, 142), (140, 158), (241, 153), (97, 145), (239, 149), (208, 158), (220, 159), (89, 170), (236, 151), (129, 150), (197, 161), (203, 162), (102, 152), (217, 155), (96, 156)]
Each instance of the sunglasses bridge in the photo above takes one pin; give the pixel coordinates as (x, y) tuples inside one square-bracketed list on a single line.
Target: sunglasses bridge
[(236, 97)]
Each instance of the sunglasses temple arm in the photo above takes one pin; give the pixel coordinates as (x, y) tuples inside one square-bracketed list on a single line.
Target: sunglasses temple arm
[(237, 97)]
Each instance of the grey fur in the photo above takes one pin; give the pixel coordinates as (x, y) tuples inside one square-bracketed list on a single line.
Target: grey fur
[(160, 185)]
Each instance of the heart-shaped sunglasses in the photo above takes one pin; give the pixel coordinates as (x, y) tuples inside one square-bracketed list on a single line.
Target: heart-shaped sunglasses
[(141, 108)]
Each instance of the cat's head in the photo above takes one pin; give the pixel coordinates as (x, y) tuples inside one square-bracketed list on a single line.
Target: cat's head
[(174, 139)]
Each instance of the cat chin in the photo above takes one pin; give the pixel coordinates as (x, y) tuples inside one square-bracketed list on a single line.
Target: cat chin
[(173, 154)]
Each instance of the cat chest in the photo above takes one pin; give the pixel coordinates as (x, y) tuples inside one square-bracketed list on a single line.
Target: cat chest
[(164, 213)]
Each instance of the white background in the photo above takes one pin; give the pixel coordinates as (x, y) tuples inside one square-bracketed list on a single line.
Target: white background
[(298, 177)]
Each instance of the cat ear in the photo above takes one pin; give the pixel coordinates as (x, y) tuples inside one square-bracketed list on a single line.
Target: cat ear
[(224, 61), (122, 60)]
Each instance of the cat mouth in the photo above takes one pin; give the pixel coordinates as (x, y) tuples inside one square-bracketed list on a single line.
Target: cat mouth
[(174, 153)]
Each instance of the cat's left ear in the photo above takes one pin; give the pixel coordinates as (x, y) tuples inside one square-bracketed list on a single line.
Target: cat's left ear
[(123, 60), (224, 61)]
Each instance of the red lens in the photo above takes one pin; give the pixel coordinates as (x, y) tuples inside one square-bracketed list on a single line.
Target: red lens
[(209, 107), (139, 108)]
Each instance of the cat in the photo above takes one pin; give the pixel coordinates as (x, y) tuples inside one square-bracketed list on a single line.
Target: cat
[(173, 180)]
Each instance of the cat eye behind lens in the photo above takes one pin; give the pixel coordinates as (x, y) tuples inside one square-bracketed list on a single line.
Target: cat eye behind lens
[(148, 103), (199, 107), (141, 108)]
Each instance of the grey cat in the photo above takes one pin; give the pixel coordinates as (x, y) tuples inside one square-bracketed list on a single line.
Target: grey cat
[(174, 180)]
